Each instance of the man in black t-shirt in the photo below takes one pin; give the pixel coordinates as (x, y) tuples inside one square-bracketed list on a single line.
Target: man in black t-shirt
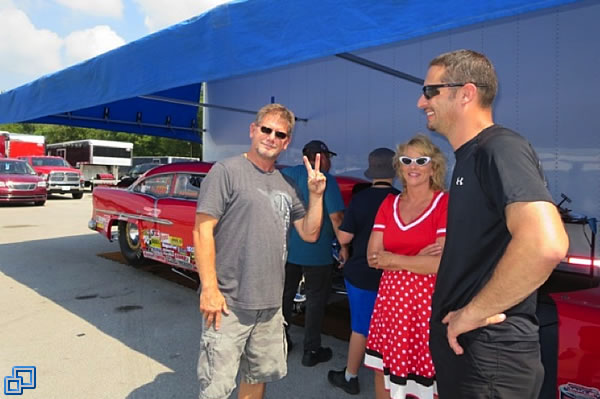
[(504, 236)]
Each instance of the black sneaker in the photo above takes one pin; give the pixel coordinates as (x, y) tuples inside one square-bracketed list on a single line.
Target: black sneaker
[(338, 379), (311, 358)]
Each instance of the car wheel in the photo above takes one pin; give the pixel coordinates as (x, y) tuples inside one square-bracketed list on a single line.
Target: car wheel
[(39, 203), (130, 243), (77, 195)]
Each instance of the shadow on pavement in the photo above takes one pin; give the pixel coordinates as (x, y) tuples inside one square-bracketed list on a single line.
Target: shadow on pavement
[(157, 318), (154, 317)]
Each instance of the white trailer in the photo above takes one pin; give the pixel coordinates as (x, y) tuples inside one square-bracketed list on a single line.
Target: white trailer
[(98, 160)]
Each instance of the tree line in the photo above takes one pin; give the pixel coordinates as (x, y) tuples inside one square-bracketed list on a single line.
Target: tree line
[(143, 145)]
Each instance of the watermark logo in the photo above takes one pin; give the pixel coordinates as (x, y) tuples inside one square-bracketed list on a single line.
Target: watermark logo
[(23, 377)]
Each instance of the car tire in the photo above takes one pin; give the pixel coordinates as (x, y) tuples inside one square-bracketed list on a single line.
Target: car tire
[(131, 244), (77, 195), (39, 203)]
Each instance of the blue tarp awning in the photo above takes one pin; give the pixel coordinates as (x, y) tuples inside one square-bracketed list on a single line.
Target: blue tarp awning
[(152, 85)]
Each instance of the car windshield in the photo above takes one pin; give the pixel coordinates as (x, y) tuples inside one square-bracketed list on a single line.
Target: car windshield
[(142, 168), (15, 168), (49, 162)]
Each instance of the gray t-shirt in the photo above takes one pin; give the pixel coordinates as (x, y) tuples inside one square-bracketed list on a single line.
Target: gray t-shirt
[(254, 209)]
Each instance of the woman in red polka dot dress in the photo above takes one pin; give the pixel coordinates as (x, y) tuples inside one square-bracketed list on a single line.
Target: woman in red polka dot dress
[(406, 242)]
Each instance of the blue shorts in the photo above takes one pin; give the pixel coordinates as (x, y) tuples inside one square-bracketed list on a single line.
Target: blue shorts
[(362, 303)]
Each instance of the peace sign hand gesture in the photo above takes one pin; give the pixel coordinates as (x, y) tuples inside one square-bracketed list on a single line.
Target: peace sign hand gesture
[(316, 180)]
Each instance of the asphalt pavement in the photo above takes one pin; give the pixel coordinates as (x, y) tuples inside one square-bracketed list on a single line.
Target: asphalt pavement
[(96, 328)]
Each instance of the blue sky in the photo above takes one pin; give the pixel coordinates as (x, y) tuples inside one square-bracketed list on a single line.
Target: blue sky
[(38, 37)]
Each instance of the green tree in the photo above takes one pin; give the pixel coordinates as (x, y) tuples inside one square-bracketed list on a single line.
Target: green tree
[(143, 145)]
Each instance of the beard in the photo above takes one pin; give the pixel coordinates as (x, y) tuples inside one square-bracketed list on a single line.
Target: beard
[(269, 154)]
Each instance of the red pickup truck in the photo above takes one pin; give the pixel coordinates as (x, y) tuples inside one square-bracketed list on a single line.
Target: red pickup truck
[(61, 178)]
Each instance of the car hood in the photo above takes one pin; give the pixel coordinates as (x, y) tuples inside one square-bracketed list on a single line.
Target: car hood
[(589, 298), (48, 169), (20, 178)]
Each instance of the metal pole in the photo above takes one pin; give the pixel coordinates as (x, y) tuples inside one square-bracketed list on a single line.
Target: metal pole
[(380, 68)]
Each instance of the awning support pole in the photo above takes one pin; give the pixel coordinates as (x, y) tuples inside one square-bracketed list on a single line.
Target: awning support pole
[(205, 105), (69, 115), (380, 68)]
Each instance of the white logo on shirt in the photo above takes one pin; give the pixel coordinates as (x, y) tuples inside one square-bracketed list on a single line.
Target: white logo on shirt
[(281, 202), (459, 181)]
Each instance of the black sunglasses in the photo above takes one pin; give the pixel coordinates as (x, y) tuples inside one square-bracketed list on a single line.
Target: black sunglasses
[(279, 135), (431, 91)]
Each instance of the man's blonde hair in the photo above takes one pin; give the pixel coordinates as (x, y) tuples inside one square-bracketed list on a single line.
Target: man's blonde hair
[(279, 110)]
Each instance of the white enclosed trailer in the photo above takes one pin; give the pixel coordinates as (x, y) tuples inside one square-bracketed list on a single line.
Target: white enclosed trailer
[(98, 160)]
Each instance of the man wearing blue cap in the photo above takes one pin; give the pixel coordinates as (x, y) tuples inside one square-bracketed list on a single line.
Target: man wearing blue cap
[(314, 260)]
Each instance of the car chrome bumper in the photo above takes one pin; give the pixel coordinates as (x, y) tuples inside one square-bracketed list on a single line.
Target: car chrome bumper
[(64, 189)]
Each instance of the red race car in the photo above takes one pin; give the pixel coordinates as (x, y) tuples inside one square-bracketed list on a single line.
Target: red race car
[(154, 217)]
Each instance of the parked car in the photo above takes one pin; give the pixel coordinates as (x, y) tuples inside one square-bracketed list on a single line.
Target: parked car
[(60, 176), (161, 160), (134, 173), (569, 315), (20, 183)]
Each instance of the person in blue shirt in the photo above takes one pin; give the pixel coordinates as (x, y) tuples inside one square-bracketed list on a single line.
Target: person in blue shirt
[(314, 260)]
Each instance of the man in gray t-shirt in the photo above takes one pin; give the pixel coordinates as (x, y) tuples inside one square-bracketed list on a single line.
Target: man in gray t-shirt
[(245, 209)]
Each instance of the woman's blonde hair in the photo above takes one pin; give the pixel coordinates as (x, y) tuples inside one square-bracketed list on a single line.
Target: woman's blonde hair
[(425, 146)]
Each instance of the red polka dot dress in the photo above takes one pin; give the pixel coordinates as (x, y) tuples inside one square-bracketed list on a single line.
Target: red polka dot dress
[(398, 342)]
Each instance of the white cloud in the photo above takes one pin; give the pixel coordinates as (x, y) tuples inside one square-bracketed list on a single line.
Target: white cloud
[(26, 50), (159, 16), (103, 8), (84, 44)]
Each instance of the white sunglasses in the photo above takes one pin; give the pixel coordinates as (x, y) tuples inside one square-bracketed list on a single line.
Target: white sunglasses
[(421, 161)]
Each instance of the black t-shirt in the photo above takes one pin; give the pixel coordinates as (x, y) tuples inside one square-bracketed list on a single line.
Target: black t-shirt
[(494, 169), (358, 220)]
